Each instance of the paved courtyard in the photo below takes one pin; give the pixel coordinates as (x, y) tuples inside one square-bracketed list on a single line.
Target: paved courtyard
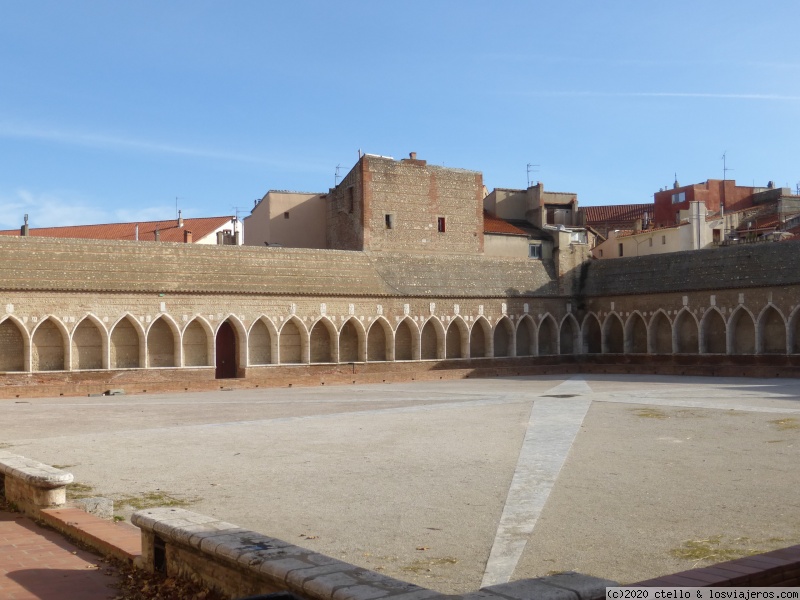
[(457, 484)]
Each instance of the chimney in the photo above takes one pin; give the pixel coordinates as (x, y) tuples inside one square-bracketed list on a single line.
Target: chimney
[(180, 219), (237, 240), (157, 234), (187, 236), (220, 238), (412, 155), (23, 231), (136, 233), (637, 225)]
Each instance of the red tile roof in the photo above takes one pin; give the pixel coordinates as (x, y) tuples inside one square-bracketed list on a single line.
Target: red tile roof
[(616, 213), (168, 230), (492, 224)]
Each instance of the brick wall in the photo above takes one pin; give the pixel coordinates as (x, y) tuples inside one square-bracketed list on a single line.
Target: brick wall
[(417, 195)]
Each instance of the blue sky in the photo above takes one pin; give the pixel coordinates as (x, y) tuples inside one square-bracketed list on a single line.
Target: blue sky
[(111, 110)]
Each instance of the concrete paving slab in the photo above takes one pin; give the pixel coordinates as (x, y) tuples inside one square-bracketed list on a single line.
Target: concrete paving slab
[(412, 479)]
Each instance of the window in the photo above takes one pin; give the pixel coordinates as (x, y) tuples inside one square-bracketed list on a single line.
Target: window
[(577, 237), (620, 249), (601, 254), (663, 240), (651, 242), (535, 251), (286, 215), (389, 219), (440, 224), (679, 197)]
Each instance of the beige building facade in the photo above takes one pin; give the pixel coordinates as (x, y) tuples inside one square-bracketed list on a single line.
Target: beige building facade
[(290, 219)]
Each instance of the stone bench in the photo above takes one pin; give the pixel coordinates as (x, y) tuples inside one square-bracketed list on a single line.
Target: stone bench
[(238, 562), (32, 485)]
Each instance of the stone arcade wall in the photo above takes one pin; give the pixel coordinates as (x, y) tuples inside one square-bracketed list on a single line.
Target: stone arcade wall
[(111, 311)]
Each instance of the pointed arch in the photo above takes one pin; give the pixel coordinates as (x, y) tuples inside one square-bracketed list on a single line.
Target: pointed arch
[(613, 336), (569, 338), (457, 345), (49, 345), (741, 332), (262, 342), (526, 336), (636, 334), (240, 334), (660, 334), (406, 340), (89, 344), (548, 337), (794, 331), (480, 339), (293, 342), (380, 341), (323, 341), (127, 343), (14, 344), (713, 332), (592, 335), (771, 338), (685, 333), (163, 343), (352, 341), (229, 348), (503, 338), (432, 336), (197, 342)]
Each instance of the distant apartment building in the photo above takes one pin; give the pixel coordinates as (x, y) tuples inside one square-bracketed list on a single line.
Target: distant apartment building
[(291, 219), (703, 215)]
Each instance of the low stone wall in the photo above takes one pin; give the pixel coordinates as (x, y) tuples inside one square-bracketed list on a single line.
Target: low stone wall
[(238, 562), (32, 486)]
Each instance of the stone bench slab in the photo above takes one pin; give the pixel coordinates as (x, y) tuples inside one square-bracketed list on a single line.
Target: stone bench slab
[(32, 472)]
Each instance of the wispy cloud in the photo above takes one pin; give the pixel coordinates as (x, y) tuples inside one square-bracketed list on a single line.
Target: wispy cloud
[(707, 95), (64, 209), (122, 143), (634, 62)]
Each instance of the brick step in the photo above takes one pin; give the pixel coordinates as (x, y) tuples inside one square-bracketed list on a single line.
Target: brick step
[(122, 541)]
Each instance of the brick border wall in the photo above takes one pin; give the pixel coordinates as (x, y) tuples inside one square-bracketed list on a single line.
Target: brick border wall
[(138, 381), (779, 568)]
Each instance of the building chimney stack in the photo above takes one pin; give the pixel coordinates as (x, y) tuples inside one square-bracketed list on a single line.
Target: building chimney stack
[(157, 234), (412, 155), (180, 219), (23, 231), (187, 236)]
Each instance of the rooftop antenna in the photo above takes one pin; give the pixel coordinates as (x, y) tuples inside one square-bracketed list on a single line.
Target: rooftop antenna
[(236, 210), (337, 176), (725, 168), (531, 169), (797, 188)]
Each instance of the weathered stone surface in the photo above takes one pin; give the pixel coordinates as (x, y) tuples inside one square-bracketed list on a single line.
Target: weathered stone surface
[(33, 472), (100, 507)]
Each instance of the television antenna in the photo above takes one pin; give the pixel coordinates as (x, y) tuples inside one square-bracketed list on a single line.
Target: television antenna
[(725, 168), (237, 209), (337, 176), (531, 169)]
